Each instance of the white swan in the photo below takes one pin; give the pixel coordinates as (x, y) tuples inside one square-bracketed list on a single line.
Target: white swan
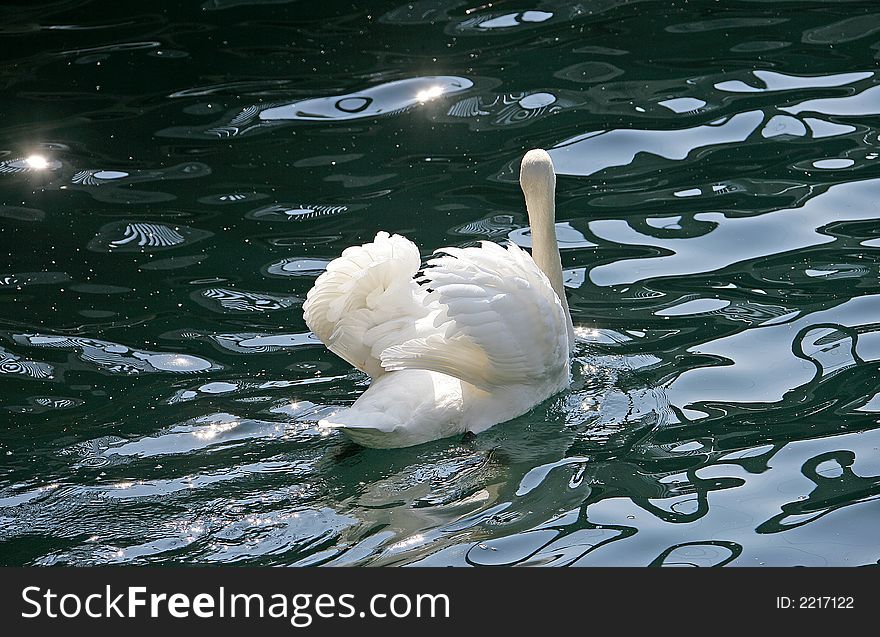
[(482, 338)]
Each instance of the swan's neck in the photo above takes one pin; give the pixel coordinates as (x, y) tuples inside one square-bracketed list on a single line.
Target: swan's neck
[(538, 182)]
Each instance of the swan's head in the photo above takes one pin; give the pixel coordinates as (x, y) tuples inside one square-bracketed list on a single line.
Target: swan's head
[(536, 176), (537, 180)]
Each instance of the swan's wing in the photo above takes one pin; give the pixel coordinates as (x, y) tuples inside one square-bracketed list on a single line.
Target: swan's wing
[(501, 322), (367, 300)]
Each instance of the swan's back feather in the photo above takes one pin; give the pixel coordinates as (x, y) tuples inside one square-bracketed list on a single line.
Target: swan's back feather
[(500, 322), (367, 301)]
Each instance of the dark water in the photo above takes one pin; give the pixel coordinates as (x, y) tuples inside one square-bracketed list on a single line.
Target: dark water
[(719, 197)]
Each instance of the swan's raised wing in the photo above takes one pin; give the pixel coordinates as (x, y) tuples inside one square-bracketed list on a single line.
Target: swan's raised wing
[(367, 301), (501, 323)]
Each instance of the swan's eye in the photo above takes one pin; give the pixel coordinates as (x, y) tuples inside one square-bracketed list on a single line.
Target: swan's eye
[(429, 93)]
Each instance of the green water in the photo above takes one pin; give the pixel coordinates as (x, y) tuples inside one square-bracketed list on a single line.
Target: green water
[(193, 168)]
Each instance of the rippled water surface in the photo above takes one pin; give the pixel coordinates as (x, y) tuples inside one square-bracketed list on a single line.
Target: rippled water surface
[(172, 181)]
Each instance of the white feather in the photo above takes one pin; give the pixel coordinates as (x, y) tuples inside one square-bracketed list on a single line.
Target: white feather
[(502, 322), (367, 301)]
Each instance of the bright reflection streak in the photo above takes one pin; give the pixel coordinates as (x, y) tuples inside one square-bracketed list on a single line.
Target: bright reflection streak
[(37, 162), (413, 540), (178, 361), (585, 332), (212, 431), (429, 93)]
